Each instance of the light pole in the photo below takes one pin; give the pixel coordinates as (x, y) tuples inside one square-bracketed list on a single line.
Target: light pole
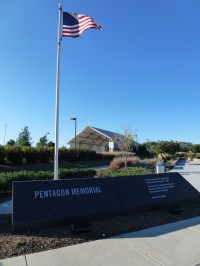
[(5, 135), (75, 119)]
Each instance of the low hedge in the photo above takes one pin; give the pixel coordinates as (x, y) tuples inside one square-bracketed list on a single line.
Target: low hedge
[(2, 154), (76, 173), (32, 155), (14, 154), (7, 178), (124, 172)]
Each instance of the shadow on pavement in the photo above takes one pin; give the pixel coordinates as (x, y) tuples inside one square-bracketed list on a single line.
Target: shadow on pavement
[(181, 162), (165, 229), (178, 167)]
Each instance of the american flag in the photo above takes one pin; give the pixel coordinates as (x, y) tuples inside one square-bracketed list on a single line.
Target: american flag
[(75, 24)]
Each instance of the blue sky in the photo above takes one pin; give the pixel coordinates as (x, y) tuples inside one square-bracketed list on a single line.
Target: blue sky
[(142, 71)]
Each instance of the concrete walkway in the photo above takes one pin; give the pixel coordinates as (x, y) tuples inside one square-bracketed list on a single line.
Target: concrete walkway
[(175, 244), (190, 170)]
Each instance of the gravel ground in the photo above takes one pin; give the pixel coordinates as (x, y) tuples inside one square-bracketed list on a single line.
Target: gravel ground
[(51, 238)]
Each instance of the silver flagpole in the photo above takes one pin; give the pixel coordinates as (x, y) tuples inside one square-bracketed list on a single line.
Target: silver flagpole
[(57, 95)]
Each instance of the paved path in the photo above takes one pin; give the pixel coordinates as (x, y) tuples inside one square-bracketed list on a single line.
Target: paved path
[(174, 244), (190, 170)]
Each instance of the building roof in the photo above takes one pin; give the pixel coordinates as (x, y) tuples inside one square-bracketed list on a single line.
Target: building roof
[(93, 136)]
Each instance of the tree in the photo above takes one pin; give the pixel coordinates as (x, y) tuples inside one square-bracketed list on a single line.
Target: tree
[(50, 144), (185, 146), (169, 147), (11, 142), (24, 138), (196, 148), (125, 142), (43, 142)]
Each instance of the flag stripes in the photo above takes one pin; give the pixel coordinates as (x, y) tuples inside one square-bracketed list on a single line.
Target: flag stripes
[(75, 24)]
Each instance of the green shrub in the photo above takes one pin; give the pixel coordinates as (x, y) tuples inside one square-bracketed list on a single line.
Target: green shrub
[(196, 148), (84, 155), (2, 154), (14, 154), (6, 178), (76, 173), (124, 172), (181, 154), (51, 152), (44, 155), (90, 155), (63, 154), (3, 184), (72, 155), (31, 154), (169, 157)]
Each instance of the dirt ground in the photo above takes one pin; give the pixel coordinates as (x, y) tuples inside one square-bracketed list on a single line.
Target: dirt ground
[(51, 238)]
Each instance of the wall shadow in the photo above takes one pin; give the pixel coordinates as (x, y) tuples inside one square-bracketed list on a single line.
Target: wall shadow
[(181, 162), (164, 229), (178, 167)]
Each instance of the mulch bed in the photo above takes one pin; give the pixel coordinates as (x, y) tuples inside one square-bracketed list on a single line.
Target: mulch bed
[(51, 238)]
